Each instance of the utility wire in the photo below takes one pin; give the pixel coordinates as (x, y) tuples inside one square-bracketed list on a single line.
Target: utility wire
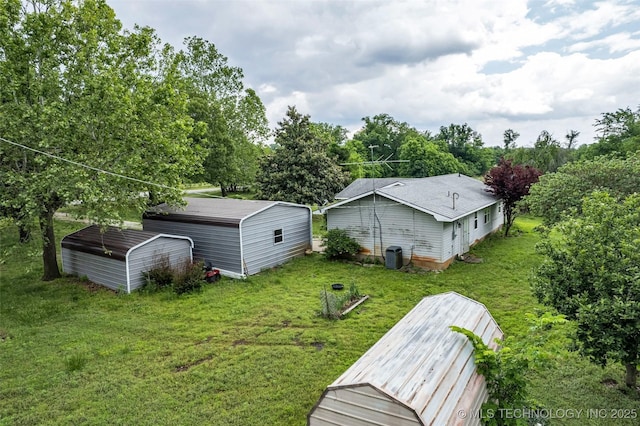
[(75, 163)]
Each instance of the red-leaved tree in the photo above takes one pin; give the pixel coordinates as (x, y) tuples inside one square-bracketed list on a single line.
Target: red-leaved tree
[(510, 183)]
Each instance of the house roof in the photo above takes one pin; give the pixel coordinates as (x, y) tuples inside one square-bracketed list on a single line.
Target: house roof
[(422, 363), (113, 242), (433, 195), (364, 185), (218, 211)]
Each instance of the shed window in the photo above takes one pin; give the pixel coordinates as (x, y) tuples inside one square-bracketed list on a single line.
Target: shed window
[(278, 236), (487, 215)]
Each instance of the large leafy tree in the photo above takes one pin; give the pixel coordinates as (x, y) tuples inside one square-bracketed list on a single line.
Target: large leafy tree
[(559, 194), (466, 145), (547, 154), (234, 117), (299, 169), (425, 158), (618, 135), (591, 273), (88, 113), (381, 138), (510, 182)]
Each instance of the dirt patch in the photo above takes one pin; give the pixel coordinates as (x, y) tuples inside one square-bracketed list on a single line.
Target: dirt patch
[(610, 383), (469, 258), (185, 367), (240, 342), (318, 345), (4, 335)]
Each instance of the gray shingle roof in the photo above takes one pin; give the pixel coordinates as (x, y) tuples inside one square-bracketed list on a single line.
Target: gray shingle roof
[(433, 195)]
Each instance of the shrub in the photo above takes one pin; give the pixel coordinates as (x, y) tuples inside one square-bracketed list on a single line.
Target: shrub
[(188, 278), (339, 245), (185, 278), (161, 276)]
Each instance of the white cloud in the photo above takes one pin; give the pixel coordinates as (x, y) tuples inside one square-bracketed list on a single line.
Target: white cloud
[(529, 66)]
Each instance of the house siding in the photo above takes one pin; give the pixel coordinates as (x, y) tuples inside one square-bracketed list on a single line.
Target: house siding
[(418, 234), (101, 270), (219, 245), (258, 246)]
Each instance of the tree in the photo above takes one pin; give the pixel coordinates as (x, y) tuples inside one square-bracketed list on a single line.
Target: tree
[(426, 159), (466, 145), (509, 139), (618, 135), (234, 119), (511, 183), (88, 113), (591, 273), (299, 169), (559, 194), (382, 136)]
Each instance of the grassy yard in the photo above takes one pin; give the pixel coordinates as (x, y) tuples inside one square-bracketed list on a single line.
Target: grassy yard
[(251, 352)]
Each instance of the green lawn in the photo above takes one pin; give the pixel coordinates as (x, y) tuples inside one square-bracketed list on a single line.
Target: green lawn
[(251, 352)]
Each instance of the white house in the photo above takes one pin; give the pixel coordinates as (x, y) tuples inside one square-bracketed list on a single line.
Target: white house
[(431, 219)]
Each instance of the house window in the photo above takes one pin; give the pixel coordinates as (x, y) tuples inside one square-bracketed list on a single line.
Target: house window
[(277, 236), (475, 220), (487, 215)]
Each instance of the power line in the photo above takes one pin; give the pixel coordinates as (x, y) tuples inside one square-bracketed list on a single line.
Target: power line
[(86, 166)]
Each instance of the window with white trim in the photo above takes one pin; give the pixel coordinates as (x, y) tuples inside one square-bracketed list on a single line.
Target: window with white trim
[(475, 220), (487, 215)]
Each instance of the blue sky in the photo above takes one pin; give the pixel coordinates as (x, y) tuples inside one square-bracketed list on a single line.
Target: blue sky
[(552, 65)]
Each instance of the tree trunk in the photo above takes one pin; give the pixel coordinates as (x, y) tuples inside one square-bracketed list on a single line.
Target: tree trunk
[(632, 375), (508, 220), (223, 189), (49, 258), (25, 233)]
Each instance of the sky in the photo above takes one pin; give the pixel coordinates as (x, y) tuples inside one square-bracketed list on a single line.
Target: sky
[(553, 65)]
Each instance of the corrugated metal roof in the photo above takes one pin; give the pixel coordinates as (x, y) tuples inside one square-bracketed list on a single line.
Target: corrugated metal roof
[(433, 195), (113, 243), (219, 211), (422, 364)]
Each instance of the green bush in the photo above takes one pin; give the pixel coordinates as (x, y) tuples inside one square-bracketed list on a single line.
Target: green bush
[(185, 278), (188, 278), (339, 245), (161, 276)]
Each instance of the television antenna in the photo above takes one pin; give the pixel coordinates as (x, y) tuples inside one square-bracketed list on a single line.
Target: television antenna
[(380, 160)]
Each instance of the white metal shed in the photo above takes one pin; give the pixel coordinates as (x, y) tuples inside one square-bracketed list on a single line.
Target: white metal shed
[(419, 373), (117, 258), (238, 237)]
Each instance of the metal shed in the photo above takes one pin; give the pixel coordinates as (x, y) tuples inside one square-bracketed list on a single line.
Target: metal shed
[(117, 258), (238, 237), (419, 373)]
